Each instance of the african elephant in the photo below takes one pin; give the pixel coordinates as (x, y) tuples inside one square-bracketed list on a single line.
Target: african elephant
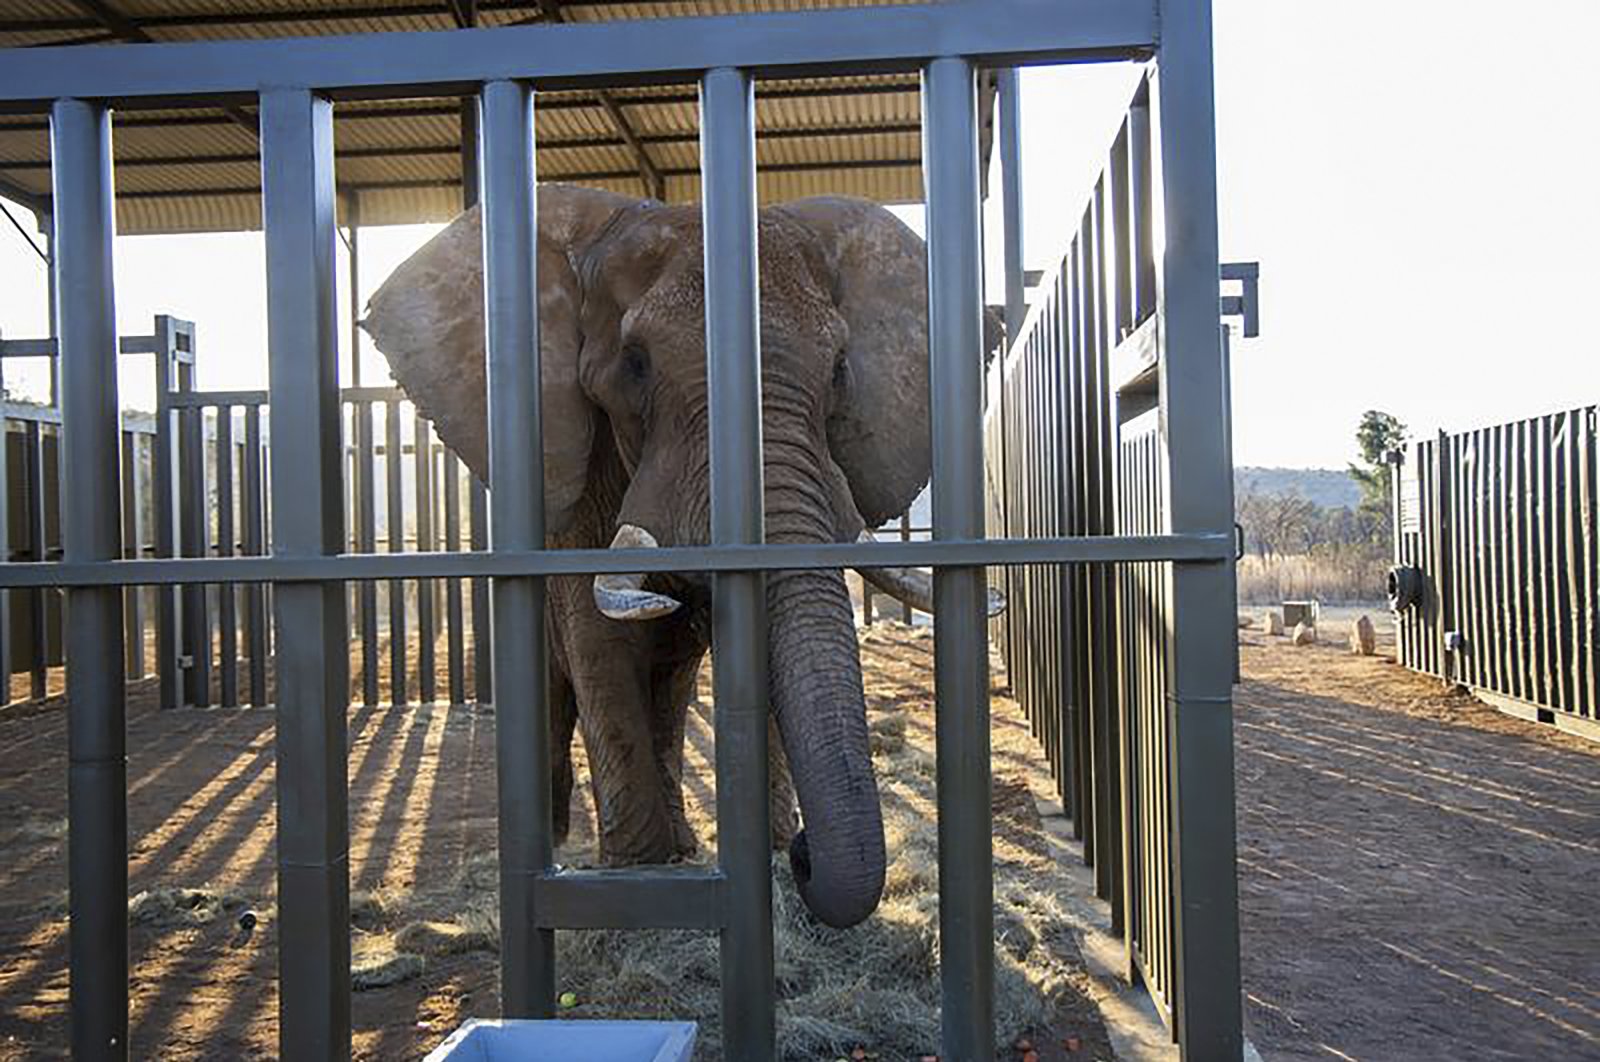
[(623, 346)]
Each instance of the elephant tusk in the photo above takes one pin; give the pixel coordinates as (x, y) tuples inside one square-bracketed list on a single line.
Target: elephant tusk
[(623, 597), (914, 586)]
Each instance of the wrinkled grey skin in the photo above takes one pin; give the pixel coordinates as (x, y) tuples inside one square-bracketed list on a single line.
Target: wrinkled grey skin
[(844, 377)]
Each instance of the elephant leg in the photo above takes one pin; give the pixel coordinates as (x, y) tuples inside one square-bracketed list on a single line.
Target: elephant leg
[(672, 690), (563, 722)]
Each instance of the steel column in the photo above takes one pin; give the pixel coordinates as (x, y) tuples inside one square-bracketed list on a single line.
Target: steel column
[(961, 671), (1199, 482), (739, 614), (307, 520), (80, 141), (516, 476)]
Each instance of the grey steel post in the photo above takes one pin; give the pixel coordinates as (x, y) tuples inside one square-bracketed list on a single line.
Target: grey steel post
[(164, 479), (80, 142), (365, 519), (478, 503), (1010, 122), (297, 199), (739, 613), (961, 660), (516, 499), (1199, 649)]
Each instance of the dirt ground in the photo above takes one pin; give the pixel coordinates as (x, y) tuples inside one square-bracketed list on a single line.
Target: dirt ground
[(1417, 871), (422, 820)]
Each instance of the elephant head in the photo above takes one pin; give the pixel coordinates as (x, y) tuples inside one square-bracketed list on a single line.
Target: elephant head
[(623, 346)]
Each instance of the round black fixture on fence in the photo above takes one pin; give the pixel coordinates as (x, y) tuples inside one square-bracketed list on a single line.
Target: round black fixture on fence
[(1405, 587)]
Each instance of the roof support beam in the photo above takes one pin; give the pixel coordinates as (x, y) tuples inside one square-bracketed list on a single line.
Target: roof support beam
[(129, 30), (655, 185)]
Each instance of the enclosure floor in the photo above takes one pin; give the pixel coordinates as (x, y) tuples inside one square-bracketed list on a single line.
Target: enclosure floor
[(1417, 871), (422, 810)]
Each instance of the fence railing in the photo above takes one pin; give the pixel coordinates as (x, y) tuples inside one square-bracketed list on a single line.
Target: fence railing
[(1076, 447), (309, 567), (208, 497), (1500, 526)]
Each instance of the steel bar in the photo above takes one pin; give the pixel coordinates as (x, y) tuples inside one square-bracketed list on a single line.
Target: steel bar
[(516, 476), (1181, 548), (7, 662), (482, 622), (454, 641), (307, 518), (133, 612), (80, 137), (961, 674), (396, 529), (255, 596), (422, 449), (191, 489), (39, 499), (632, 898), (1200, 494), (169, 374), (227, 546), (367, 542), (739, 614), (401, 65)]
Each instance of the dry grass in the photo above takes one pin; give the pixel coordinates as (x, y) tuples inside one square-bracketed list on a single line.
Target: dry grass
[(1355, 576), (874, 986)]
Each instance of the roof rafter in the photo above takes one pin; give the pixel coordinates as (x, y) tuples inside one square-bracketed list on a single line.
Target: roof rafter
[(129, 30)]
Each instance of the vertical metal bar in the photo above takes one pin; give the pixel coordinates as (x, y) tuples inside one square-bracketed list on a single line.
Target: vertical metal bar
[(1008, 82), (307, 517), (255, 599), (516, 472), (191, 487), (1199, 491), (478, 503), (367, 542), (133, 664), (7, 661), (422, 442), (392, 464), (227, 541), (961, 673), (80, 135), (739, 615), (39, 611), (164, 486), (905, 536), (452, 591)]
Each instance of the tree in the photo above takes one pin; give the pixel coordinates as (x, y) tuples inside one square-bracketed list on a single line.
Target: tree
[(1376, 435)]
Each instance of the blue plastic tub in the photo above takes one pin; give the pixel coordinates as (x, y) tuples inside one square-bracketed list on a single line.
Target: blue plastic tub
[(482, 1040)]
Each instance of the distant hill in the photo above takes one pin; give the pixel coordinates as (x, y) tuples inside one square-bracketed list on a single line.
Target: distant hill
[(1330, 488)]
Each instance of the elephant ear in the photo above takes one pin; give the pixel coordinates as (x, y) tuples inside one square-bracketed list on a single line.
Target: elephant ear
[(878, 426), (427, 319)]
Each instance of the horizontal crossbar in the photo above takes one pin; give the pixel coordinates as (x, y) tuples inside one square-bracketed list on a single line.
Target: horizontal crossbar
[(46, 348), (576, 55), (1094, 549), (630, 898), (214, 399)]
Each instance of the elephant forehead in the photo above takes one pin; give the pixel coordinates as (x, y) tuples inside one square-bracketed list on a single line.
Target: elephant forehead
[(793, 304)]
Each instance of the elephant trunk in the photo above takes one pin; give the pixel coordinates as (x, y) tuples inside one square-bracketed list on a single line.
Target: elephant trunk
[(838, 857)]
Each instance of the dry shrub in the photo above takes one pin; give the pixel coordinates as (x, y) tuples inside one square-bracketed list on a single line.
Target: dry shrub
[(1348, 575), (171, 907)]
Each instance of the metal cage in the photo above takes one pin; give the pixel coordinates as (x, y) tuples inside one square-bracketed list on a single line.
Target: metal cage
[(295, 84)]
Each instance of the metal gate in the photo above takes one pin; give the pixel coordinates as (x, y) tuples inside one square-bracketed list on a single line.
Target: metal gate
[(1501, 525), (1076, 447), (295, 84)]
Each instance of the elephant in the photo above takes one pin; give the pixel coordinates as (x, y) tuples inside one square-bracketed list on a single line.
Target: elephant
[(844, 370)]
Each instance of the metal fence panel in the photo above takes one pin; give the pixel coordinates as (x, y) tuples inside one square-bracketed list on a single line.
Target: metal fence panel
[(1500, 524)]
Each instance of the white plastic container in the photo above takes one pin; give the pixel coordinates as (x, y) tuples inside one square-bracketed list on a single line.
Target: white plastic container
[(486, 1040)]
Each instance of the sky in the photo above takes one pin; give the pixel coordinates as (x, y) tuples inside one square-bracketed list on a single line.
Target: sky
[(1418, 181)]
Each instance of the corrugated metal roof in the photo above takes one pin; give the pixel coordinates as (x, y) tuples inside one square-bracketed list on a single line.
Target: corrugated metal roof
[(197, 170)]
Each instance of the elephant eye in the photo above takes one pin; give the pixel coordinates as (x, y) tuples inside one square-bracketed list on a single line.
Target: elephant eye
[(635, 362), (841, 371)]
